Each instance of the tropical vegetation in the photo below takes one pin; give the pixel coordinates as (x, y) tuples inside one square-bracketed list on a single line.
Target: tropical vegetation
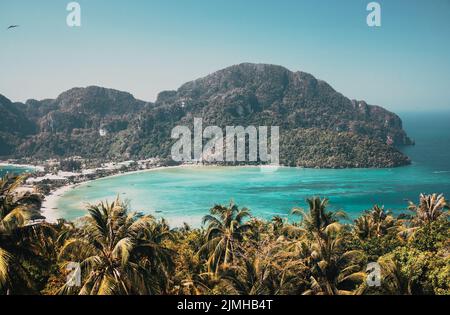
[(114, 250)]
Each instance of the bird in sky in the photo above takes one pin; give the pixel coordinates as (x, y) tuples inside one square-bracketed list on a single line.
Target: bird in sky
[(12, 26)]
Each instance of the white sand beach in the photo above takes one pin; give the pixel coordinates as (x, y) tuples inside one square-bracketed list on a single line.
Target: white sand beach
[(50, 209), (49, 206)]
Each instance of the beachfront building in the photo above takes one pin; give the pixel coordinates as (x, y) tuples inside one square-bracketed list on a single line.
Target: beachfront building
[(49, 177)]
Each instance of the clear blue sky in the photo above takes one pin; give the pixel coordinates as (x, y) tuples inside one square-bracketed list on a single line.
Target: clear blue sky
[(146, 46)]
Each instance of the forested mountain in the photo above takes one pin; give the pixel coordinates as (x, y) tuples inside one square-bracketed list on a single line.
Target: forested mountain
[(319, 127)]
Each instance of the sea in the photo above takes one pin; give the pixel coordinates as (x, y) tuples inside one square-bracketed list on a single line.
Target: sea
[(186, 194), (15, 170)]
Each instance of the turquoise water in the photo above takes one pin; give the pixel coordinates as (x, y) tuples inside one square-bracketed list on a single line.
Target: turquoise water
[(14, 170), (186, 194)]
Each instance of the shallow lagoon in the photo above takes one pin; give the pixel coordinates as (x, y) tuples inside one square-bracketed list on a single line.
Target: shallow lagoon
[(185, 194)]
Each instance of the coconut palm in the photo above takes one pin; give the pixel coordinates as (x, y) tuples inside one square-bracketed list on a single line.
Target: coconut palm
[(393, 279), (334, 271), (17, 209), (119, 252), (155, 259), (17, 212), (430, 208), (317, 218), (278, 224), (266, 271), (364, 227), (374, 223), (225, 230), (253, 277)]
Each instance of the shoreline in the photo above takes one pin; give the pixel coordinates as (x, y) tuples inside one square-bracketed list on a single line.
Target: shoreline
[(49, 207)]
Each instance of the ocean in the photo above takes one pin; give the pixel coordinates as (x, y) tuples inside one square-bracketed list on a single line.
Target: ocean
[(186, 194), (14, 170)]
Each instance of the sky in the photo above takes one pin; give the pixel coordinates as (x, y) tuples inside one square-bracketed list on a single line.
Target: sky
[(147, 46)]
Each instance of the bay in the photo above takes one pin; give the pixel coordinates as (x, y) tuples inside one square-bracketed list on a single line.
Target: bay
[(186, 194)]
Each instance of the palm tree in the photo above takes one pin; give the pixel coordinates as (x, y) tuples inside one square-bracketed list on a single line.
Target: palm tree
[(317, 219), (334, 271), (17, 212), (119, 252), (17, 209), (364, 227), (226, 228), (266, 270), (431, 208), (376, 222), (394, 281), (255, 277), (278, 224), (156, 260)]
